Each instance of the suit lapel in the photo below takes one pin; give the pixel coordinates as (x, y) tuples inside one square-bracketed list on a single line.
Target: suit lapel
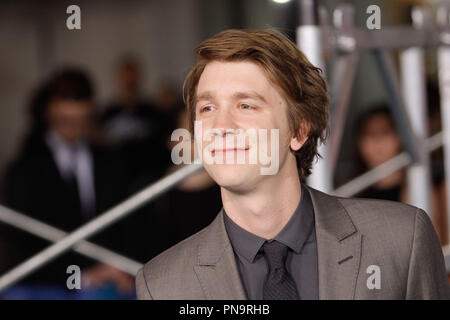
[(338, 246), (216, 269)]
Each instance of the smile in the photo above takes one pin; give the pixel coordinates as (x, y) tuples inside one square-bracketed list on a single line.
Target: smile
[(213, 152)]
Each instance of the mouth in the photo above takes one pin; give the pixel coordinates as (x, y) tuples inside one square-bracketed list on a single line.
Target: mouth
[(232, 150)]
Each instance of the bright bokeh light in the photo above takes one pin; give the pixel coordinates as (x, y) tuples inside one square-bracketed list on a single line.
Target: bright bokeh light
[(281, 1)]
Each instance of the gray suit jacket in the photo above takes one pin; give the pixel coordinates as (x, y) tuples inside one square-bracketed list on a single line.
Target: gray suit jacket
[(367, 249)]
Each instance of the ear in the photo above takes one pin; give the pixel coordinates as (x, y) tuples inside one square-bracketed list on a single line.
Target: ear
[(299, 139)]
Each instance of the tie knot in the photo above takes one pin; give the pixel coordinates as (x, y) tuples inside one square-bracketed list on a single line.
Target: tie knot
[(275, 254)]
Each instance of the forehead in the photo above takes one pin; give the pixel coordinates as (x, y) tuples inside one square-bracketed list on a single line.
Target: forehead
[(70, 106), (222, 78), (377, 123), (379, 120)]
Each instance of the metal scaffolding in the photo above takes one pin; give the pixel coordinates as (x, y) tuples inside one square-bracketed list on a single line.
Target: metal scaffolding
[(52, 234), (405, 88), (443, 15), (309, 40), (96, 225)]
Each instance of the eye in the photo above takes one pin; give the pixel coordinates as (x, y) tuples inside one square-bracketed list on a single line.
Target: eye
[(246, 106), (206, 109)]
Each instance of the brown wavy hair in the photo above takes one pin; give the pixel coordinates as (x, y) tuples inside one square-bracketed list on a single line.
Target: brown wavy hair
[(300, 82)]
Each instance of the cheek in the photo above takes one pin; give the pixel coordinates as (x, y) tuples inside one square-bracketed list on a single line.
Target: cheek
[(278, 120), (393, 144), (366, 147)]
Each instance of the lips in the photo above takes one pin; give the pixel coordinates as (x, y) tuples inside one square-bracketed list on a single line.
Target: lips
[(213, 152)]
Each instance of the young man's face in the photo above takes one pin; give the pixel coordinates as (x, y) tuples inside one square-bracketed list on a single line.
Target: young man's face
[(235, 97)]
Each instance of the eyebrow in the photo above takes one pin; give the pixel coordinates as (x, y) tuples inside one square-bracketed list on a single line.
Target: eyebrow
[(208, 95)]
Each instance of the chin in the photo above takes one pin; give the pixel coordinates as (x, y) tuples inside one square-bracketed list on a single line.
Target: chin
[(233, 176)]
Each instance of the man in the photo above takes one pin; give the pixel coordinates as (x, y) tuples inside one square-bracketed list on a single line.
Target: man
[(61, 179), (135, 127), (277, 238)]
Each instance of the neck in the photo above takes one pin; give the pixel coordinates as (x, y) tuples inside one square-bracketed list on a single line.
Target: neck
[(267, 209), (53, 137)]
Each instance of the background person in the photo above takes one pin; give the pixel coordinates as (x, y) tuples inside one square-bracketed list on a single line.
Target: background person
[(64, 180)]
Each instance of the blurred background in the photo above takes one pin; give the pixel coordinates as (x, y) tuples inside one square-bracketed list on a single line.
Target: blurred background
[(86, 117)]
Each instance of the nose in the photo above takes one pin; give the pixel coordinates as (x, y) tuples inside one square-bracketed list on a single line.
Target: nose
[(224, 123)]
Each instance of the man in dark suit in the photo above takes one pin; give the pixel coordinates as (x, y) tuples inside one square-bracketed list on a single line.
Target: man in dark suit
[(62, 179)]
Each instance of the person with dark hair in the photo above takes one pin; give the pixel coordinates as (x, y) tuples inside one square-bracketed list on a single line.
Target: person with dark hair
[(377, 141), (135, 127), (62, 179), (276, 237)]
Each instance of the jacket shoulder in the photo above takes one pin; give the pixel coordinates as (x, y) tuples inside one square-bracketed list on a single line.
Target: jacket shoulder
[(388, 228), (182, 251), (365, 211), (402, 237), (174, 268)]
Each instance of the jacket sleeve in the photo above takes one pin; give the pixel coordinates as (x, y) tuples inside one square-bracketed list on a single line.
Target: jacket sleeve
[(427, 276), (142, 291)]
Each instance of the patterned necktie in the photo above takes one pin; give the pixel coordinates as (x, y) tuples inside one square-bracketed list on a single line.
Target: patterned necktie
[(279, 284)]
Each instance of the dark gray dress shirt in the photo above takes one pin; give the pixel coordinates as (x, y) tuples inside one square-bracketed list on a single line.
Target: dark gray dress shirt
[(300, 237)]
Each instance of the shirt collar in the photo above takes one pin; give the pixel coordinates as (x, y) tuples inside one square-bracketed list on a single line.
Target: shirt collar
[(294, 234), (244, 243), (299, 227), (56, 142), (64, 154)]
